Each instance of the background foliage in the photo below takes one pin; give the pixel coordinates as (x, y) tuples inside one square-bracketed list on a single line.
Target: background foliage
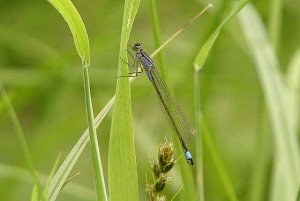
[(41, 72)]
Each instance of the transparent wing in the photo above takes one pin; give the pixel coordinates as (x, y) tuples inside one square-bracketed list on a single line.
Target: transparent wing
[(173, 112)]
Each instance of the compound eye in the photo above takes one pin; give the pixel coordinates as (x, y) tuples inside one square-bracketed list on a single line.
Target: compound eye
[(138, 45)]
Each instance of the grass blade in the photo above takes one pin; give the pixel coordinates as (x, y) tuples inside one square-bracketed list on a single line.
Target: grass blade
[(260, 174), (198, 64), (22, 141), (275, 22), (199, 144), (293, 77), (74, 190), (286, 175), (68, 164), (180, 30), (35, 193), (203, 53), (227, 184), (157, 38), (72, 17), (75, 23), (54, 168), (98, 171), (122, 169)]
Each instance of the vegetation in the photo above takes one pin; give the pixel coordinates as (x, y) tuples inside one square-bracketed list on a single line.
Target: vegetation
[(235, 71)]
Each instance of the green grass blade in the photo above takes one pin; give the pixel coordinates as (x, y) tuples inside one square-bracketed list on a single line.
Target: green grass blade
[(9, 172), (157, 37), (293, 80), (68, 164), (54, 168), (199, 143), (98, 171), (286, 170), (275, 21), (35, 193), (72, 17), (226, 182), (203, 53), (260, 175), (122, 169), (198, 64), (21, 138), (179, 31)]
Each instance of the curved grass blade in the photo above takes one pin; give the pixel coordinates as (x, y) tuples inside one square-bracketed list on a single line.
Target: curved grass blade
[(22, 141), (198, 64), (35, 193), (203, 53), (75, 23), (293, 81), (68, 164), (225, 179), (286, 170), (54, 168), (74, 190), (72, 17)]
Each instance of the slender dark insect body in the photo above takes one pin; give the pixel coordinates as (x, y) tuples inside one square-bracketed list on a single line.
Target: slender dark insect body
[(172, 111)]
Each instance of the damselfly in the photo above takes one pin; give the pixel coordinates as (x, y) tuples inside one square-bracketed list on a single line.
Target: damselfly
[(173, 112)]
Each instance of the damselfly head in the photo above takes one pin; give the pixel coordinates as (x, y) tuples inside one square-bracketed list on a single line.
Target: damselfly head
[(137, 47)]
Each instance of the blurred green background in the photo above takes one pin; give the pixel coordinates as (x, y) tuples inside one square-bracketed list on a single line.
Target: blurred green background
[(41, 72)]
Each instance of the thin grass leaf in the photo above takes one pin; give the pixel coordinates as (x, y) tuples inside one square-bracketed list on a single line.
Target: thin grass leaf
[(199, 143), (275, 21), (122, 168), (35, 193), (176, 194), (96, 159), (22, 175), (157, 38), (21, 139), (261, 167), (181, 30), (70, 179), (53, 170), (226, 182), (68, 164), (293, 81), (286, 170), (203, 53), (72, 17)]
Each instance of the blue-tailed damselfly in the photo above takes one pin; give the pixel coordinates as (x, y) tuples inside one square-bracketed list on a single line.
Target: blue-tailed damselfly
[(172, 111)]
